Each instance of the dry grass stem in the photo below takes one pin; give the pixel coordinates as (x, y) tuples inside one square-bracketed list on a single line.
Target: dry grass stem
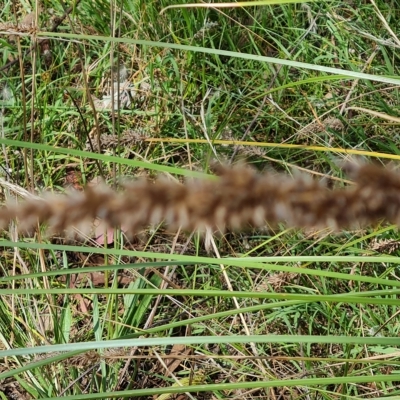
[(128, 138), (238, 198)]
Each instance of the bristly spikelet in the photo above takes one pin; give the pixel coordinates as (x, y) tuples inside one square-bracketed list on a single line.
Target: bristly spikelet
[(238, 198)]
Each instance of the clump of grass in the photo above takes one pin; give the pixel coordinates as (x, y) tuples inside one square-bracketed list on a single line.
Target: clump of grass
[(293, 287)]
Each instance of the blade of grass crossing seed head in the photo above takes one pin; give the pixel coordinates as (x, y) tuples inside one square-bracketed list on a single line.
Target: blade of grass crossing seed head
[(234, 5)]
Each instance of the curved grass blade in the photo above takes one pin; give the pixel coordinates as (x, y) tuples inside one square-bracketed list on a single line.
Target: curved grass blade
[(226, 53)]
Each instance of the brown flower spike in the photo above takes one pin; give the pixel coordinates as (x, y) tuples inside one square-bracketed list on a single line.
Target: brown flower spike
[(238, 198)]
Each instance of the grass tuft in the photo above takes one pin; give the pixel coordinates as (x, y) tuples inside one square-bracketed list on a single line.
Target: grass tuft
[(115, 91)]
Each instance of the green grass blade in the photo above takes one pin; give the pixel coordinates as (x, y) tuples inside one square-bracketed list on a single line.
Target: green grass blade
[(245, 56)]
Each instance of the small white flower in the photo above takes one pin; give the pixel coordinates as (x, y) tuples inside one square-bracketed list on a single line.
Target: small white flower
[(6, 94)]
